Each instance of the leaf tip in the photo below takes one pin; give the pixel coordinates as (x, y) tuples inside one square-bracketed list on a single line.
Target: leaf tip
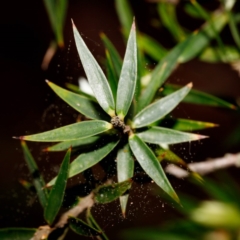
[(19, 138), (47, 81), (190, 85), (133, 24), (73, 25)]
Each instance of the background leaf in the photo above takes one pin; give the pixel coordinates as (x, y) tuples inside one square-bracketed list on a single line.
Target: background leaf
[(16, 233), (95, 75), (151, 165), (71, 132), (37, 178), (110, 192), (128, 77), (198, 97), (56, 195), (82, 228)]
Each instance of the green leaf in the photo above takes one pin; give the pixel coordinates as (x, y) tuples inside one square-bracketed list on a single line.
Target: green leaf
[(37, 177), (95, 75), (234, 28), (160, 108), (56, 195), (191, 10), (87, 160), (75, 88), (198, 97), (111, 74), (110, 192), (82, 228), (114, 55), (125, 15), (151, 47), (161, 73), (160, 135), (167, 12), (125, 169), (82, 104), (128, 77), (151, 165), (190, 125), (57, 13), (93, 223), (16, 233), (200, 39), (212, 55), (71, 132), (82, 142)]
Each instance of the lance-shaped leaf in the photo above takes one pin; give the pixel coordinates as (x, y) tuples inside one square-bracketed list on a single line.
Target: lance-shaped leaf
[(37, 178), (167, 12), (84, 105), (159, 135), (161, 73), (16, 233), (82, 228), (70, 132), (110, 192), (198, 97), (93, 223), (125, 168), (128, 77), (114, 55), (111, 74), (160, 108), (125, 14), (95, 75), (56, 195), (151, 47), (151, 165), (190, 125), (87, 160), (82, 142)]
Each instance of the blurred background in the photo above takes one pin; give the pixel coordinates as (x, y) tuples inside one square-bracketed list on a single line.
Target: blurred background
[(29, 106)]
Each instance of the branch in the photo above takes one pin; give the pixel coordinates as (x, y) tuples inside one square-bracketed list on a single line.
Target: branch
[(205, 167)]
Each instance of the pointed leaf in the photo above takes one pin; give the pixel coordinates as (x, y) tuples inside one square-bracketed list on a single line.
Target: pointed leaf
[(125, 169), (82, 142), (198, 97), (160, 108), (110, 192), (37, 178), (161, 73), (114, 55), (167, 12), (16, 233), (190, 125), (128, 77), (93, 223), (151, 165), (95, 75), (111, 74), (71, 132), (87, 160), (82, 104), (159, 135), (151, 47), (82, 228), (57, 193), (125, 15)]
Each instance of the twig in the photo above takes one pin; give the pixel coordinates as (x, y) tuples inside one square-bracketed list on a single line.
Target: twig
[(205, 167)]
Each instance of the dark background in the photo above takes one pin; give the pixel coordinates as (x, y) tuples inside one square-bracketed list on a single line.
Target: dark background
[(29, 106)]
